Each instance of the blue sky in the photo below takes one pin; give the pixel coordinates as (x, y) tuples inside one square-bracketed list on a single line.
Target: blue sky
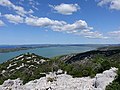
[(59, 21)]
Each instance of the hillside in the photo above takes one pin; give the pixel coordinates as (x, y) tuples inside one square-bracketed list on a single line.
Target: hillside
[(63, 82), (30, 66), (92, 62), (25, 66), (110, 47)]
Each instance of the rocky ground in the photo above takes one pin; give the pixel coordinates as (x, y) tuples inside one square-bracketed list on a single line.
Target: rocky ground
[(82, 71), (52, 81)]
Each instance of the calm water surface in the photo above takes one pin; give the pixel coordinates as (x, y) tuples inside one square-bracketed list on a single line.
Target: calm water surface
[(47, 51)]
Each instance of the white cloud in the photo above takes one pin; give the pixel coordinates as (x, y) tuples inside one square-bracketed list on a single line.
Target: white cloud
[(115, 34), (92, 34), (79, 27), (43, 22), (33, 4), (0, 14), (18, 9), (57, 25), (113, 4), (75, 27), (66, 9), (35, 7), (2, 23), (14, 18)]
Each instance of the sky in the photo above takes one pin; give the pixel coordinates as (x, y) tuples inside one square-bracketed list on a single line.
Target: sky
[(59, 22)]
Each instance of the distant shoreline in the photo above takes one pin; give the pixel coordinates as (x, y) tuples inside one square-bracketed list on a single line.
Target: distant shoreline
[(6, 50), (13, 48)]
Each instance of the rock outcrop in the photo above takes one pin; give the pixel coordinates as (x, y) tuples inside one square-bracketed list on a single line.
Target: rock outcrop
[(63, 82)]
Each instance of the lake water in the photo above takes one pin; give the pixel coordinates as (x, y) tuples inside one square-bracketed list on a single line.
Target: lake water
[(47, 51)]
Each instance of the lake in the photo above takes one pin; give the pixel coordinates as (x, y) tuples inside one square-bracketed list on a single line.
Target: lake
[(47, 51)]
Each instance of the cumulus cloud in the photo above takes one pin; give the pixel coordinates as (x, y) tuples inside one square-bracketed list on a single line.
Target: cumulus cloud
[(113, 4), (66, 9), (2, 23), (79, 27), (18, 9), (14, 18), (57, 25), (76, 26), (43, 22)]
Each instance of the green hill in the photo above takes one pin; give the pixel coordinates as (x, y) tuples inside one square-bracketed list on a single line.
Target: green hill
[(30, 66), (25, 66)]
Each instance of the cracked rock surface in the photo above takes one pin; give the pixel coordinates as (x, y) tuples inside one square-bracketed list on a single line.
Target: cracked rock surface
[(63, 82)]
